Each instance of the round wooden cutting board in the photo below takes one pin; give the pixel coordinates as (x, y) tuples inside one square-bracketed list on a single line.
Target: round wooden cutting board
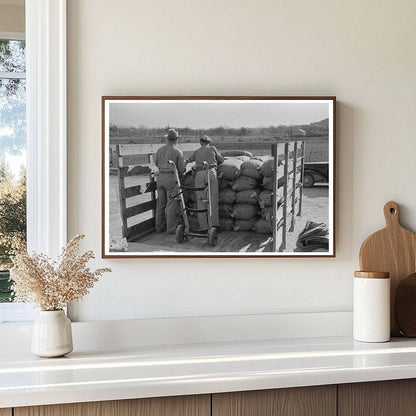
[(405, 306), (393, 250)]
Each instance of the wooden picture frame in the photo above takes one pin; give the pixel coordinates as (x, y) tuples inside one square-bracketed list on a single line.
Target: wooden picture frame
[(300, 149)]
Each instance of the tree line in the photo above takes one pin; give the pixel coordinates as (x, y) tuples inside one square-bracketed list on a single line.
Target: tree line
[(312, 129)]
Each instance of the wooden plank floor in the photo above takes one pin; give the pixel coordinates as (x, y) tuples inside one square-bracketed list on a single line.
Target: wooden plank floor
[(228, 241)]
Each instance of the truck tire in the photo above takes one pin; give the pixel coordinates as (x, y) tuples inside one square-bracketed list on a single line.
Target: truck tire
[(308, 180)]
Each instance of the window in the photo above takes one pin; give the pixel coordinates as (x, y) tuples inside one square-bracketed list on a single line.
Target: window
[(12, 154), (45, 27)]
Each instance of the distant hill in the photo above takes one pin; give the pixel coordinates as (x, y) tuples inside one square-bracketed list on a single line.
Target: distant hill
[(322, 125)]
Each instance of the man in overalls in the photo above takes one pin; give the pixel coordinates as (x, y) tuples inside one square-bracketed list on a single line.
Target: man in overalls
[(167, 204), (212, 156)]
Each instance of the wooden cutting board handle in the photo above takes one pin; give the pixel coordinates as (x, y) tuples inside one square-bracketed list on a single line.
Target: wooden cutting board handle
[(393, 250), (391, 214)]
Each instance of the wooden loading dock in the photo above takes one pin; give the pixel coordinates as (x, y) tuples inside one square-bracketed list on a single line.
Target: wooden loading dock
[(137, 200)]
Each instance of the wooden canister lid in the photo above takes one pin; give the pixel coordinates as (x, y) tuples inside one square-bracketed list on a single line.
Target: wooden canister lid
[(372, 275)]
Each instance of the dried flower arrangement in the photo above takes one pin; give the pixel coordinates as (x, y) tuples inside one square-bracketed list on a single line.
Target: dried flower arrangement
[(53, 285)]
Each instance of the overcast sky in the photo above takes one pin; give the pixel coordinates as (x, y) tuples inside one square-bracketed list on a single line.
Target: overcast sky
[(206, 115)]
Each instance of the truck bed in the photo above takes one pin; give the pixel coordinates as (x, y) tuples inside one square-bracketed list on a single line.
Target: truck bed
[(228, 241)]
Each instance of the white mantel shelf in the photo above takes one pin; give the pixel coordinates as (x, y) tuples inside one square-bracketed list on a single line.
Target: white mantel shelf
[(152, 371)]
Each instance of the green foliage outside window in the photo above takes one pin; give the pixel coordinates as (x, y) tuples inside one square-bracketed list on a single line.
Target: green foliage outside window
[(12, 145), (12, 223)]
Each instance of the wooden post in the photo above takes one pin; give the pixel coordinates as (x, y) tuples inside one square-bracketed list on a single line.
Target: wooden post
[(274, 219), (295, 168), (285, 176), (122, 198), (152, 179), (301, 180)]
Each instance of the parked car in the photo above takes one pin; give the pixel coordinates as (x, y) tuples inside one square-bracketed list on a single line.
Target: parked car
[(314, 173)]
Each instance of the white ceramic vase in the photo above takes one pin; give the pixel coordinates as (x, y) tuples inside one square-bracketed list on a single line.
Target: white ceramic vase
[(52, 334)]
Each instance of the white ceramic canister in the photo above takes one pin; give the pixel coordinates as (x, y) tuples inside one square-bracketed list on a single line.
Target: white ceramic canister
[(52, 334), (371, 313)]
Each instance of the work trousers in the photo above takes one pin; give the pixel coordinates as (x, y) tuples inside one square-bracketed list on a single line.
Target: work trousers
[(167, 207), (201, 181)]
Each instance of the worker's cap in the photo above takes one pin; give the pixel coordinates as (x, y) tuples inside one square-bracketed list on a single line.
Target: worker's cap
[(172, 134), (205, 139)]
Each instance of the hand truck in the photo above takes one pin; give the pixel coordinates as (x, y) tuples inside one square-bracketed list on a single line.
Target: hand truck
[(183, 231)]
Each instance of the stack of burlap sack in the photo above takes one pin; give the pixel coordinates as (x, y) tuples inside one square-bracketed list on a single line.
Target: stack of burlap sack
[(245, 196)]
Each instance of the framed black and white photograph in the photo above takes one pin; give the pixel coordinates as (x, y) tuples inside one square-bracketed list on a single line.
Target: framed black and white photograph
[(218, 176)]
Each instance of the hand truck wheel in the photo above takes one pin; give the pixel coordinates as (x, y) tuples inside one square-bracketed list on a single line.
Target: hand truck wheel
[(180, 233), (213, 236)]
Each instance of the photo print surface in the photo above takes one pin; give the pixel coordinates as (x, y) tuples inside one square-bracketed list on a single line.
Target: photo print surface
[(218, 176)]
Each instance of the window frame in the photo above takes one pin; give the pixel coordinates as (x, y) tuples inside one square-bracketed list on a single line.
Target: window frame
[(46, 137), (14, 312), (12, 35)]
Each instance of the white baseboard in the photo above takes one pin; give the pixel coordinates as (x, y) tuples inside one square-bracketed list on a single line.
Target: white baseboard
[(102, 335)]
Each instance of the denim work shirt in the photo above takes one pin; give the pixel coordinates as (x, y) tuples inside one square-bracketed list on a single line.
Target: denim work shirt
[(166, 153), (208, 154)]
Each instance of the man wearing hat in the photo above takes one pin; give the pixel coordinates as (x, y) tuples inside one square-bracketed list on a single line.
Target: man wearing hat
[(212, 156), (167, 205)]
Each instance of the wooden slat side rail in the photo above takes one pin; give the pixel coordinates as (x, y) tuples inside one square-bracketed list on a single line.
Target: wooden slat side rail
[(141, 208), (292, 211), (145, 149), (299, 212), (144, 227), (280, 195), (299, 158), (132, 191), (143, 159), (276, 243), (280, 172), (140, 230), (122, 198), (132, 160), (279, 216), (278, 200), (152, 179), (291, 190), (139, 189), (285, 198), (113, 157), (300, 401), (292, 165), (160, 406), (138, 170)]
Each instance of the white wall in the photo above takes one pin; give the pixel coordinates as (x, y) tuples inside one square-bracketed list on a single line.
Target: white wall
[(12, 18), (361, 51)]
